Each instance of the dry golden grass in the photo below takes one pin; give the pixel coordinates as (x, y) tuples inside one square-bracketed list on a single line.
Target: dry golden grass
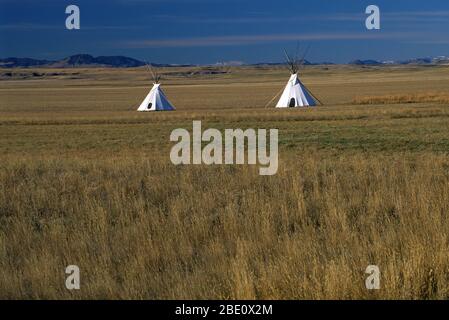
[(142, 228), (86, 180), (404, 98)]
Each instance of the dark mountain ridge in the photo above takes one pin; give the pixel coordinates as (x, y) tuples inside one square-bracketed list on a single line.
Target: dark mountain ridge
[(89, 61), (76, 61)]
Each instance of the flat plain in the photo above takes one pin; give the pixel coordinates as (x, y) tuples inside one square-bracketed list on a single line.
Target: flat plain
[(86, 180)]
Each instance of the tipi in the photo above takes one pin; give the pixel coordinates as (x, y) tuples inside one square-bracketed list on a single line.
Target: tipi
[(295, 93), (156, 99)]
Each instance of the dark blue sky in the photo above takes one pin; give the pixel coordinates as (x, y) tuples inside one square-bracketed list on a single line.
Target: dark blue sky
[(207, 31)]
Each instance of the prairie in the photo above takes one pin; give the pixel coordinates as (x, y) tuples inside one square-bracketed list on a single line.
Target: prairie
[(362, 180)]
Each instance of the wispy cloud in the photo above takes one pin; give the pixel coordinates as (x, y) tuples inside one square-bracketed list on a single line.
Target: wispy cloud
[(430, 42), (143, 2), (259, 18), (31, 27), (260, 39), (406, 16), (440, 13), (417, 17), (413, 17), (28, 26)]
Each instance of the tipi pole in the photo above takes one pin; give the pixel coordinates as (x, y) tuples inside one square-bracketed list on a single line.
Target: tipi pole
[(313, 95), (277, 94)]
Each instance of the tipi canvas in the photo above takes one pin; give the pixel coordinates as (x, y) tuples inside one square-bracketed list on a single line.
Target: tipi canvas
[(156, 101), (295, 95)]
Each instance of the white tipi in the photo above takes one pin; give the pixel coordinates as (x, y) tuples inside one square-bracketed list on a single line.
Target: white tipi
[(156, 99), (295, 93)]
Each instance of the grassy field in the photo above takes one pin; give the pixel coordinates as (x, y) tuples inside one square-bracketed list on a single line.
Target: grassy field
[(86, 180)]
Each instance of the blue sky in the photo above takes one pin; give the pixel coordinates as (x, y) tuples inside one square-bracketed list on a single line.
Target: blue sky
[(207, 31)]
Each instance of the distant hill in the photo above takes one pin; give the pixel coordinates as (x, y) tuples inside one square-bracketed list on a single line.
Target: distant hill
[(22, 62), (424, 61), (417, 61), (77, 61), (442, 60), (88, 61), (306, 63), (365, 63)]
